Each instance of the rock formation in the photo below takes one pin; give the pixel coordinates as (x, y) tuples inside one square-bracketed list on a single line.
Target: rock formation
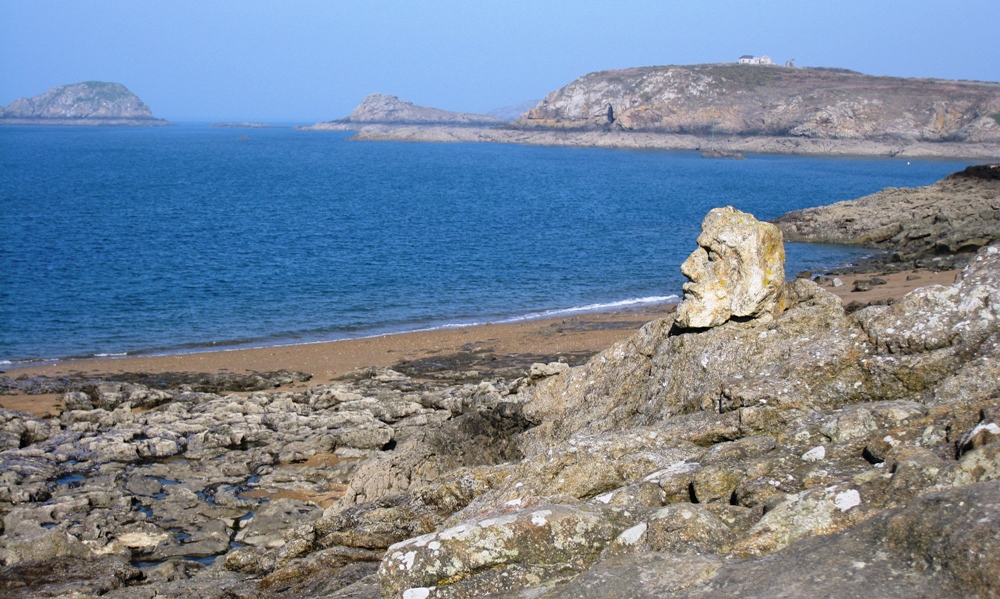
[(801, 453), (749, 109), (87, 103), (738, 270), (390, 110), (774, 101), (960, 213)]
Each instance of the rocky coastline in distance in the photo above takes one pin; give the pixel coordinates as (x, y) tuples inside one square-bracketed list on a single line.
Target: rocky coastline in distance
[(91, 103), (246, 125), (746, 108), (759, 441), (381, 109)]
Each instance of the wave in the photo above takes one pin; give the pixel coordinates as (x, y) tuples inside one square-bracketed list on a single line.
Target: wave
[(238, 345), (638, 301), (628, 303)]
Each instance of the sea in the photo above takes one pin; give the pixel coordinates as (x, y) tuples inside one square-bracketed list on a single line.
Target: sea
[(127, 241)]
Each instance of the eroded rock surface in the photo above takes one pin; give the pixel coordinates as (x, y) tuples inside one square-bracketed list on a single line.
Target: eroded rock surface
[(960, 213), (805, 452), (757, 437)]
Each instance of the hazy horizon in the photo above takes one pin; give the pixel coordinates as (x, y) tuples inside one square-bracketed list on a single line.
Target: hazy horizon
[(311, 61)]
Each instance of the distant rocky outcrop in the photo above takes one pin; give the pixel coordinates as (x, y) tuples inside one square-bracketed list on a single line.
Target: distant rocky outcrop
[(87, 103), (772, 100), (513, 111), (246, 125), (676, 141), (750, 109), (960, 213), (390, 110)]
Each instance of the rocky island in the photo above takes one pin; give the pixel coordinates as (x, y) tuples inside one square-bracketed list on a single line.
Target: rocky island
[(89, 103), (750, 108), (759, 441), (380, 109)]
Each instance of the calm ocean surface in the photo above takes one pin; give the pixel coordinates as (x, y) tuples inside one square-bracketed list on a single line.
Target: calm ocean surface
[(131, 240)]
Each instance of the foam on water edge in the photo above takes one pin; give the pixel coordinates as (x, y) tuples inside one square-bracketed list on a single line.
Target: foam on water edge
[(236, 345)]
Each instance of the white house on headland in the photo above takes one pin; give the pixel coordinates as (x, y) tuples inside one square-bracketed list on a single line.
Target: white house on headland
[(748, 59)]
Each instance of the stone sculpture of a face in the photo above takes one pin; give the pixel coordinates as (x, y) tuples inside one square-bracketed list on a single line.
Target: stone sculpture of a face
[(738, 270)]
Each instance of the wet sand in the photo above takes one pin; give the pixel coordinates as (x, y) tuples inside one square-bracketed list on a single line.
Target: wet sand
[(457, 352)]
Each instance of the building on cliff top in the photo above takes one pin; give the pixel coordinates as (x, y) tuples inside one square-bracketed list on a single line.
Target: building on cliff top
[(750, 59)]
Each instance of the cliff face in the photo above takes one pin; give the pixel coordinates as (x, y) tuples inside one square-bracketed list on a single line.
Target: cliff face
[(88, 103), (390, 110), (773, 101)]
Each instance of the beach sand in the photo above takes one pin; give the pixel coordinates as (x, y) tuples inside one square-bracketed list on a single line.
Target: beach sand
[(457, 353)]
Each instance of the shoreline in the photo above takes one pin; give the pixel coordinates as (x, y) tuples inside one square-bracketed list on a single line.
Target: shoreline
[(647, 140), (464, 353), (279, 341)]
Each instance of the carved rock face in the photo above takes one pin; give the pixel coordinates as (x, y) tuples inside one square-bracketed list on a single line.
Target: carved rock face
[(738, 270)]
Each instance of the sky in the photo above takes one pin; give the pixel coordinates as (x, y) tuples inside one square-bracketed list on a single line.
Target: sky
[(309, 60)]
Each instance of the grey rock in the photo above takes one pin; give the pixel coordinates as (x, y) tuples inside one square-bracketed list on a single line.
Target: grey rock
[(270, 524), (540, 371), (502, 553), (380, 108), (87, 103)]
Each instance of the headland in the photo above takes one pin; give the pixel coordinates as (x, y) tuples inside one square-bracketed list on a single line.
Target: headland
[(734, 108)]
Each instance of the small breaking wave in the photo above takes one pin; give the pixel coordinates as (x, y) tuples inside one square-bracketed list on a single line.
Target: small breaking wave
[(628, 303)]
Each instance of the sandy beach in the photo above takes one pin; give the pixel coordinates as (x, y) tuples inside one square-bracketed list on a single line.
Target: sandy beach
[(456, 352)]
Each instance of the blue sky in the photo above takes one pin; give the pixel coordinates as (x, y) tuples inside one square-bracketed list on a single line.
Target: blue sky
[(305, 61)]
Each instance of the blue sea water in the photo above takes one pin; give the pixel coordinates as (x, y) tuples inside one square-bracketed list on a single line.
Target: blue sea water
[(132, 240)]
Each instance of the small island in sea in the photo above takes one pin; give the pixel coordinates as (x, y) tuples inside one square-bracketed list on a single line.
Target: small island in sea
[(246, 125), (381, 109), (91, 103)]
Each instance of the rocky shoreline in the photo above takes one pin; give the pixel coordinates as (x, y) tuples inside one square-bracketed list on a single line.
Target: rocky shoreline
[(759, 109), (760, 441), (752, 144)]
